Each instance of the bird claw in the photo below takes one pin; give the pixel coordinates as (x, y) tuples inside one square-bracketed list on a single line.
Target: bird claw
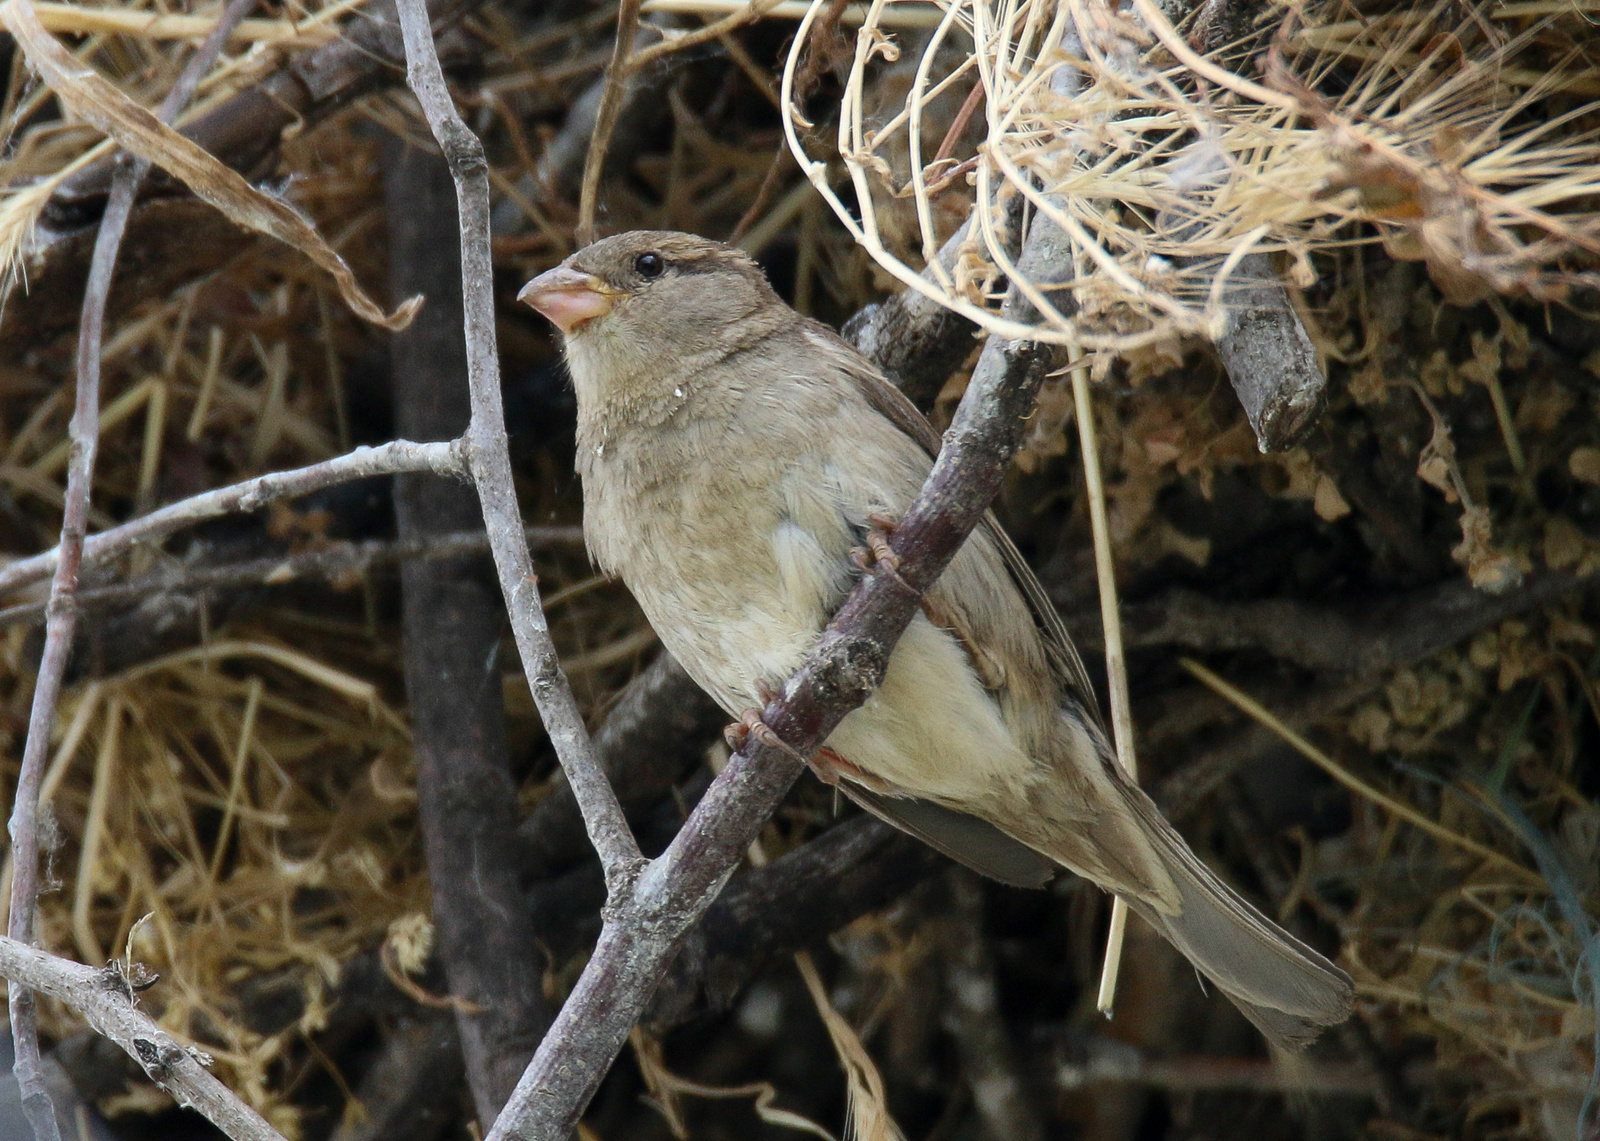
[(878, 557), (750, 725)]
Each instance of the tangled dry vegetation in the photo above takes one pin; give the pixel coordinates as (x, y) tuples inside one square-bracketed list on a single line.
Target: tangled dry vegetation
[(1408, 590)]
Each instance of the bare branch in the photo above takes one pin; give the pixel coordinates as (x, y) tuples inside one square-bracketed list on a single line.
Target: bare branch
[(394, 458), (102, 996), (1270, 360), (489, 461), (337, 561), (451, 617)]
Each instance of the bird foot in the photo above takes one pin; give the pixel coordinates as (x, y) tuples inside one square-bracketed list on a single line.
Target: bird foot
[(749, 725), (878, 556)]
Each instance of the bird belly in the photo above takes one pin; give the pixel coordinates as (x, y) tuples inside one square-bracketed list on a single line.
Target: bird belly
[(932, 731)]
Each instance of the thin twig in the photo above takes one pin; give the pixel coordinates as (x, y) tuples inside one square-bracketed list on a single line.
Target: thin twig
[(489, 461), (749, 14), (62, 613), (393, 458), (626, 63), (335, 562), (103, 996)]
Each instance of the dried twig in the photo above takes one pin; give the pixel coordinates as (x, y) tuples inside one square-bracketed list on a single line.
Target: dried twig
[(104, 997), (337, 562), (393, 458), (105, 106), (618, 79), (627, 60), (62, 612), (1270, 360), (244, 129), (489, 462)]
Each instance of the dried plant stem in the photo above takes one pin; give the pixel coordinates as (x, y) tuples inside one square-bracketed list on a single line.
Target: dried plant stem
[(62, 611), (489, 462), (394, 458), (625, 64), (102, 996), (1116, 663), (618, 77)]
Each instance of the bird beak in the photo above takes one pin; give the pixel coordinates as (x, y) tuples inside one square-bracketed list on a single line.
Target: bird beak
[(568, 297)]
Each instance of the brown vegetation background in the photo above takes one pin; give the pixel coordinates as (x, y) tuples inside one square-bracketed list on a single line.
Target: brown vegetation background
[(236, 796)]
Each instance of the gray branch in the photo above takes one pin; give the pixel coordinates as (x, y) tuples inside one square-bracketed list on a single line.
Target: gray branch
[(394, 458), (103, 997)]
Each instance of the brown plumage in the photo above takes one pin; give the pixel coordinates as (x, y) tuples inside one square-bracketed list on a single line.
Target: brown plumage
[(733, 454)]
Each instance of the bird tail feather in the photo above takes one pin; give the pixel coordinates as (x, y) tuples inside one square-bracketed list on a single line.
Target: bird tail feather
[(1290, 992)]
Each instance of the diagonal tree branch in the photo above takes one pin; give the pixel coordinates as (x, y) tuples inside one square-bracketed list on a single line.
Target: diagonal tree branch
[(103, 996)]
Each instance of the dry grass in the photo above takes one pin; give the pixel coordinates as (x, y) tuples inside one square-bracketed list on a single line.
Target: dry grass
[(1469, 145)]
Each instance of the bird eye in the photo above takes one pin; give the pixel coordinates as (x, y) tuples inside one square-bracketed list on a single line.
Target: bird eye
[(649, 265)]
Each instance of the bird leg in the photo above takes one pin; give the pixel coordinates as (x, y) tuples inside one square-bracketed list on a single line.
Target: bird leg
[(878, 555), (750, 725)]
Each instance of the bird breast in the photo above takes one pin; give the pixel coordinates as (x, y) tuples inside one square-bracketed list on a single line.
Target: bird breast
[(737, 565)]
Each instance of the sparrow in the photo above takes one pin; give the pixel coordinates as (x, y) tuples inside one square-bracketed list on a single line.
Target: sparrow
[(737, 459)]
